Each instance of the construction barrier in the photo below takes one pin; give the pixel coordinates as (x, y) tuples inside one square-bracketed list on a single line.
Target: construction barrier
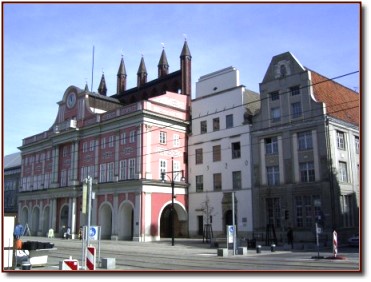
[(90, 258), (70, 264)]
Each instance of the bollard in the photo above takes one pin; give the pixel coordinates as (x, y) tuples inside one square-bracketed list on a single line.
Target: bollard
[(258, 249), (26, 265), (273, 248)]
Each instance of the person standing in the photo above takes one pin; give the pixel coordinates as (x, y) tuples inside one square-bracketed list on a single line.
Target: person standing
[(290, 237)]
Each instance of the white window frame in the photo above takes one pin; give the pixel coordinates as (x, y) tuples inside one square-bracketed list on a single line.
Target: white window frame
[(163, 136)]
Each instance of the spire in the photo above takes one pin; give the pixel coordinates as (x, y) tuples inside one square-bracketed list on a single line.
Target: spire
[(163, 66), (142, 73), (121, 77), (186, 69), (86, 89), (185, 51), (102, 89)]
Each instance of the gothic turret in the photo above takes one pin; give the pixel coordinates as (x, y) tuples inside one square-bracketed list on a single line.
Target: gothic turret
[(121, 77), (102, 89), (163, 66), (141, 74), (185, 66)]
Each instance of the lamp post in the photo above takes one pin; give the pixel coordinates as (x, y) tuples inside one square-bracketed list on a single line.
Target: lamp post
[(172, 195)]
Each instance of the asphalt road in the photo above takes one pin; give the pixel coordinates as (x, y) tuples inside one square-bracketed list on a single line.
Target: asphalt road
[(192, 255)]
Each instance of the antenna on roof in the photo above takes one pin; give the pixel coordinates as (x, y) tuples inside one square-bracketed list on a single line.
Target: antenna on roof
[(92, 72)]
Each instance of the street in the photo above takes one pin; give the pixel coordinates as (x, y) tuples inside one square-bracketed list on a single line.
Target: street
[(194, 255)]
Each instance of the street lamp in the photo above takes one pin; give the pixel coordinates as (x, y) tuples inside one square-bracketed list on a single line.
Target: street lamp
[(172, 194)]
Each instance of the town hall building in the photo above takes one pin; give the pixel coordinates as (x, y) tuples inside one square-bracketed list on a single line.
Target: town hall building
[(125, 142)]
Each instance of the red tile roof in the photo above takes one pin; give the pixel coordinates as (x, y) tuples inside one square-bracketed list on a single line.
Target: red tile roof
[(341, 102)]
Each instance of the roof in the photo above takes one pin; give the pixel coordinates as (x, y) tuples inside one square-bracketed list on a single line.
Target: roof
[(12, 160), (341, 102)]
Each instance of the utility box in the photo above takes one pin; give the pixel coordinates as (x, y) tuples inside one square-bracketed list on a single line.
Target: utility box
[(109, 263)]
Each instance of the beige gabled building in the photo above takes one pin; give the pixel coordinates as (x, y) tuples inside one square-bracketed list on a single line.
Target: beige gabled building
[(305, 154)]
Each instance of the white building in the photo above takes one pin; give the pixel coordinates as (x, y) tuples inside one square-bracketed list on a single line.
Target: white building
[(219, 155)]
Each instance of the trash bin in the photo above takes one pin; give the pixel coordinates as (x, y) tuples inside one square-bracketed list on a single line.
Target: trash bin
[(258, 249), (273, 248)]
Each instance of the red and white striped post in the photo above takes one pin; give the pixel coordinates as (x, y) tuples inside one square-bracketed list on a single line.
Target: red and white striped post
[(335, 243), (90, 258), (70, 264)]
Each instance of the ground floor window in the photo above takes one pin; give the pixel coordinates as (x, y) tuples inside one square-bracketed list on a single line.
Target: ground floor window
[(273, 207)]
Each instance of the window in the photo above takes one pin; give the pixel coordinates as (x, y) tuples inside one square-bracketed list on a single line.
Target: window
[(102, 173), (236, 178), (92, 145), (110, 170), (296, 110), (295, 90), (123, 138), (84, 147), (132, 136), (162, 137), (356, 141), (199, 158), (340, 139), (347, 210), (216, 124), (162, 167), (103, 143), (305, 140), (123, 170), (271, 145), (131, 173), (343, 174), (217, 179), (176, 140), (275, 114), (274, 96), (273, 207), (177, 172), (111, 141), (216, 153), (63, 178), (273, 175), (203, 125), (65, 152), (199, 183), (236, 150), (229, 121), (306, 210), (307, 172)]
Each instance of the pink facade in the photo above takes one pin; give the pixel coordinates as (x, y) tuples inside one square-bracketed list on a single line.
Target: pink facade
[(124, 147)]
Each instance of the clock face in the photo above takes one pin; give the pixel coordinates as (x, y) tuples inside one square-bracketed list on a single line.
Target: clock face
[(71, 99)]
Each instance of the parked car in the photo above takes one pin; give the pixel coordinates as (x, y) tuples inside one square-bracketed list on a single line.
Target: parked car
[(354, 241)]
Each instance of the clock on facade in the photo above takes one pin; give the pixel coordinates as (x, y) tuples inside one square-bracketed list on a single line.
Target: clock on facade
[(71, 99)]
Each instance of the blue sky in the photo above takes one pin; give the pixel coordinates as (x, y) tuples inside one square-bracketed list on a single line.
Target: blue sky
[(48, 47)]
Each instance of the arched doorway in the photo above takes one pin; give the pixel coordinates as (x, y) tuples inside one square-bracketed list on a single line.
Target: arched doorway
[(64, 218), (24, 216), (180, 222), (105, 221), (35, 221), (45, 223), (125, 223), (165, 222)]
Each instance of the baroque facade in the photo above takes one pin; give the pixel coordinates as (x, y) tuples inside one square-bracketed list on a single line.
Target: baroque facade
[(123, 142)]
